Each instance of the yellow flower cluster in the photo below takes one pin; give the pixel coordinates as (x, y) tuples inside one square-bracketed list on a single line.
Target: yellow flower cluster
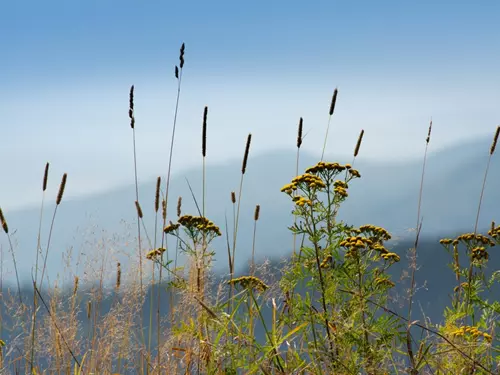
[(200, 223), (341, 191), (391, 256), (445, 241), (494, 231), (340, 188), (479, 253), (376, 231), (326, 166), (326, 262), (354, 173), (384, 281), (249, 282), (155, 253), (302, 201), (477, 238), (314, 182), (473, 331), (171, 228), (356, 243), (340, 183)]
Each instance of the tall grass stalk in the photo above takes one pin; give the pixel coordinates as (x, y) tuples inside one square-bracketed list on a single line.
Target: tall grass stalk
[(38, 250), (60, 194), (178, 75), (5, 227), (413, 256), (235, 235), (330, 114)]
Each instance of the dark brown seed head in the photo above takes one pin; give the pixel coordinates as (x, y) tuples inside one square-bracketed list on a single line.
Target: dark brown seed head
[(233, 197), (118, 275), (45, 177), (139, 209), (299, 134), (164, 209), (204, 133), (62, 186), (131, 107), (181, 55), (334, 100), (176, 72), (245, 157), (157, 194), (256, 213), (429, 133), (495, 140), (179, 206), (75, 285), (89, 309), (131, 102), (358, 143), (3, 222)]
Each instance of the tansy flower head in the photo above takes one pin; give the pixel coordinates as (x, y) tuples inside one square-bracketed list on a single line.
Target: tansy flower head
[(199, 223), (249, 282), (391, 256), (153, 254), (171, 228)]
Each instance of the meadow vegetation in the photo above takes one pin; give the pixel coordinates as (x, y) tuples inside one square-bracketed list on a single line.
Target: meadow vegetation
[(329, 312)]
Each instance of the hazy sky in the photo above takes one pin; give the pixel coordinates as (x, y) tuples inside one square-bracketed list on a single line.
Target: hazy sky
[(66, 69)]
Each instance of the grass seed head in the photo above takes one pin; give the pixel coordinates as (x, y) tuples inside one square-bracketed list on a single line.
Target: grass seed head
[(245, 157), (179, 206), (429, 133), (358, 143), (131, 107), (45, 177), (495, 140), (89, 309), (334, 100), (164, 209), (139, 209), (157, 194), (233, 197), (75, 286), (204, 133), (256, 213), (4, 222), (62, 186), (118, 275), (181, 55), (299, 134)]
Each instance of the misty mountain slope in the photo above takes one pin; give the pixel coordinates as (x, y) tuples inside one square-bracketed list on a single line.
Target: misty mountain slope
[(386, 195)]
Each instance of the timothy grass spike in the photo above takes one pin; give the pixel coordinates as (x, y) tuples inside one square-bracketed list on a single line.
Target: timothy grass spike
[(299, 133), (45, 177), (245, 157), (62, 186), (157, 194), (139, 209), (179, 206), (4, 222), (358, 143), (495, 140)]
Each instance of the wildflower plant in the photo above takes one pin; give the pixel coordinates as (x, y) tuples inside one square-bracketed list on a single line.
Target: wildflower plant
[(341, 268)]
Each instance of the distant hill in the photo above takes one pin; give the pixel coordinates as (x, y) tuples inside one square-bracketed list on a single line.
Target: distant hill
[(386, 195)]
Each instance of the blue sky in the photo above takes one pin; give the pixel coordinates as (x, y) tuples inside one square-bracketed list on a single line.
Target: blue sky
[(67, 67)]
